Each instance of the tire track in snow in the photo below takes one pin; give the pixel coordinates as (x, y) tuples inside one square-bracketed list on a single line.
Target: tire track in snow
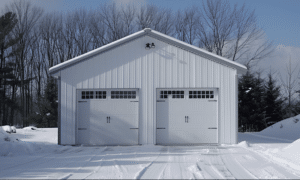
[(73, 175), (111, 164), (69, 175), (32, 164), (213, 165), (235, 167), (148, 171), (263, 166), (39, 157)]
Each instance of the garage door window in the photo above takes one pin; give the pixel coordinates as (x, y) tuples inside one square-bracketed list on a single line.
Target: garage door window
[(87, 94), (201, 94), (123, 94), (175, 94), (100, 94)]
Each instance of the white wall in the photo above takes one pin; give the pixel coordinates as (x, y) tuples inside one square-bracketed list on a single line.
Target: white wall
[(166, 66)]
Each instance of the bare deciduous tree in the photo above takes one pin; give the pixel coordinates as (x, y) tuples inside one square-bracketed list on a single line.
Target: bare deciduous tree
[(98, 30), (128, 13), (232, 32), (82, 36), (290, 86), (146, 16), (112, 19)]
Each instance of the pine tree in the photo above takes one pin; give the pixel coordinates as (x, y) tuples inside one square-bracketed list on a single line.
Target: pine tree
[(258, 98), (51, 96), (273, 101), (251, 113), (47, 107), (7, 77)]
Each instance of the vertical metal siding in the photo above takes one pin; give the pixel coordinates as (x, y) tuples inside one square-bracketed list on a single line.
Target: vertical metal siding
[(132, 66), (191, 70), (63, 110), (236, 109), (226, 107), (232, 118), (70, 115)]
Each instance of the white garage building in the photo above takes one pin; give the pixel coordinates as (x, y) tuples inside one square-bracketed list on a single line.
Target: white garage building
[(148, 88)]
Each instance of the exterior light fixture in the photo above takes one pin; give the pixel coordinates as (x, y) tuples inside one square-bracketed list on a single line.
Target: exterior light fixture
[(149, 46), (152, 45)]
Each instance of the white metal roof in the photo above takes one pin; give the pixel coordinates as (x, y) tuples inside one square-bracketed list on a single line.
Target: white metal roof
[(241, 69)]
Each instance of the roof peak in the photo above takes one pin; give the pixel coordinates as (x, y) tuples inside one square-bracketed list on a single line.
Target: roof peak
[(147, 30)]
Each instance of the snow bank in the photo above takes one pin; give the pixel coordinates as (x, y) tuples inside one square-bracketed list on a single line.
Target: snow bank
[(7, 128), (292, 151), (285, 129), (244, 144), (13, 129), (28, 141), (3, 135), (274, 139), (30, 128)]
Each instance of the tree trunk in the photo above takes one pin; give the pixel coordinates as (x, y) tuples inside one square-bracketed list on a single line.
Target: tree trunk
[(12, 109)]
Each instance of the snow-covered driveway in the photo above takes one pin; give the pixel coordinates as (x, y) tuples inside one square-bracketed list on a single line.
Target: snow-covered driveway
[(145, 162)]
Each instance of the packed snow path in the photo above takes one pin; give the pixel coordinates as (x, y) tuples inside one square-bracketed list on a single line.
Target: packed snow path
[(145, 162)]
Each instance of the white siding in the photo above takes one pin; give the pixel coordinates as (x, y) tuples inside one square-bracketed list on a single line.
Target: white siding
[(131, 66)]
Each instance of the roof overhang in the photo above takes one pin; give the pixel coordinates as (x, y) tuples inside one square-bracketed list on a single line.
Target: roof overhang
[(241, 69)]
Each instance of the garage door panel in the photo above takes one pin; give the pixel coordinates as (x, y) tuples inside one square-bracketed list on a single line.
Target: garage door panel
[(162, 106), (178, 112), (110, 121), (123, 107), (190, 120), (83, 123)]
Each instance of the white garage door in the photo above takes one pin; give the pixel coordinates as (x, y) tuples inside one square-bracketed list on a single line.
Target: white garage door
[(107, 117), (186, 116)]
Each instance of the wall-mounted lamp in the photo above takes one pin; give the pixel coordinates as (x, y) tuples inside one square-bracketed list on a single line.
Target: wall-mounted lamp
[(152, 45), (149, 46)]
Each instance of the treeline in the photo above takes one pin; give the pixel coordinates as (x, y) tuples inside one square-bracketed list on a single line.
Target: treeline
[(261, 102), (32, 41)]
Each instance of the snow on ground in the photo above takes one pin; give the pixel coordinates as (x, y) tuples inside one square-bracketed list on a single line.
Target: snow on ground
[(33, 153), (6, 128), (279, 142), (286, 129)]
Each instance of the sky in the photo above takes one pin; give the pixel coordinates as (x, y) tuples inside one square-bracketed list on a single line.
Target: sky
[(279, 19)]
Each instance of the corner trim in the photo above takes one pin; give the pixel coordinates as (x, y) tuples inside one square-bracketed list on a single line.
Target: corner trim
[(59, 111)]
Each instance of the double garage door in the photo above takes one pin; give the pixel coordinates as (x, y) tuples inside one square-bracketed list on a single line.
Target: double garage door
[(186, 116), (107, 117), (183, 116)]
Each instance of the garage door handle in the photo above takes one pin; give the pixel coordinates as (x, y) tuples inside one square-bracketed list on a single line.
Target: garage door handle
[(212, 128), (107, 119), (212, 100), (81, 101), (81, 128), (187, 119), (160, 101), (160, 128)]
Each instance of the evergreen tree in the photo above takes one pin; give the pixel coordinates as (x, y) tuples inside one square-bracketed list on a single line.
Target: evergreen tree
[(47, 107), (7, 77), (259, 104), (51, 96), (273, 101), (251, 113)]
